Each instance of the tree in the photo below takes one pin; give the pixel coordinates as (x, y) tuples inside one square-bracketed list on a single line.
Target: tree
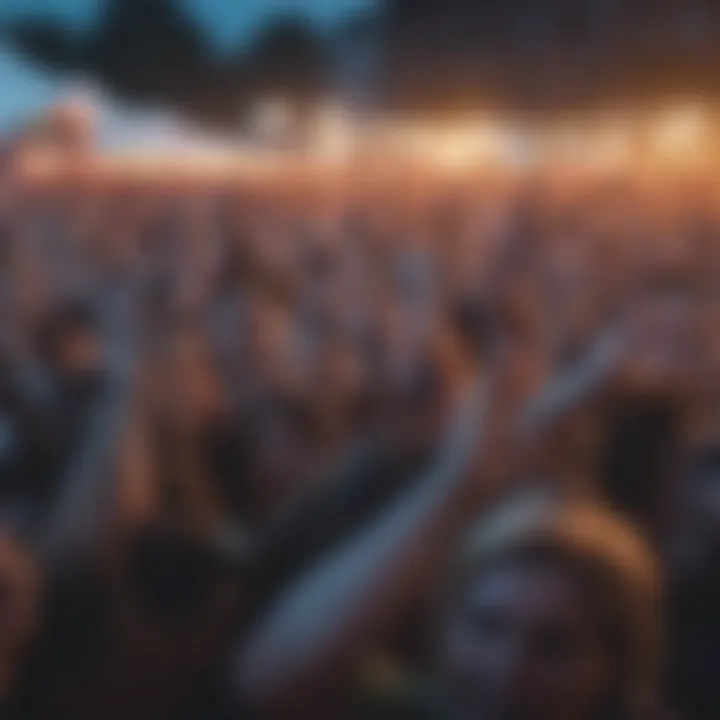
[(151, 51)]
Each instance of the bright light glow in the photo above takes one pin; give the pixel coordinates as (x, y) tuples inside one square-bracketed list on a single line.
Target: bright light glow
[(157, 145), (334, 135), (466, 147), (614, 145), (456, 148), (680, 133)]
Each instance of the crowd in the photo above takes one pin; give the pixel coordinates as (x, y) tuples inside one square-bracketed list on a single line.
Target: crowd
[(421, 452)]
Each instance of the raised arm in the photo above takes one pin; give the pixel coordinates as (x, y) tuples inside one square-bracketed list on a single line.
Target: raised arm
[(572, 388), (645, 349), (306, 651), (350, 497), (90, 495), (314, 639)]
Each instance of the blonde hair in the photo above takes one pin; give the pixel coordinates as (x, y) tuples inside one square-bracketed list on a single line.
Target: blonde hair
[(604, 548)]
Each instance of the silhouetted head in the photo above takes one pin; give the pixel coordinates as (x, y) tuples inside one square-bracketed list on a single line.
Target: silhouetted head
[(70, 342)]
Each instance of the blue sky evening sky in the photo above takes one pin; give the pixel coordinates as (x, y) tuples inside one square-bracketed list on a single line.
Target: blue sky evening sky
[(24, 91)]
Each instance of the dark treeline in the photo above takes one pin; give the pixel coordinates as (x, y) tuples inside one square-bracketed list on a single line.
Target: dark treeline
[(434, 54), (153, 51)]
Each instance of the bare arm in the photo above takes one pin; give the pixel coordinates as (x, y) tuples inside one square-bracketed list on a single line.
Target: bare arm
[(89, 499), (324, 626), (347, 500), (572, 389)]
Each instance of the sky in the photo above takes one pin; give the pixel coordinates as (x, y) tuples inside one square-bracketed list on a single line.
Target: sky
[(26, 90), (225, 20)]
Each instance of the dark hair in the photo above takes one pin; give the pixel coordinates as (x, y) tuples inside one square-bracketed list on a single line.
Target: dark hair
[(173, 573), (76, 316), (704, 462)]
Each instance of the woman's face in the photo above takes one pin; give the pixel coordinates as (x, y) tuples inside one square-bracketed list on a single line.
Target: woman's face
[(521, 643)]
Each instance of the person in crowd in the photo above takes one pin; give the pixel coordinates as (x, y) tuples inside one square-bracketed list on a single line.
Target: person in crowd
[(226, 487), (551, 610)]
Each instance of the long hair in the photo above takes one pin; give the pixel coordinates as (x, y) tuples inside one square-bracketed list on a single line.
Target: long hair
[(609, 556)]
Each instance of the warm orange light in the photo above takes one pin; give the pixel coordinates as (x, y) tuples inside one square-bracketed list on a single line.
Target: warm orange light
[(624, 142), (335, 136), (681, 133)]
